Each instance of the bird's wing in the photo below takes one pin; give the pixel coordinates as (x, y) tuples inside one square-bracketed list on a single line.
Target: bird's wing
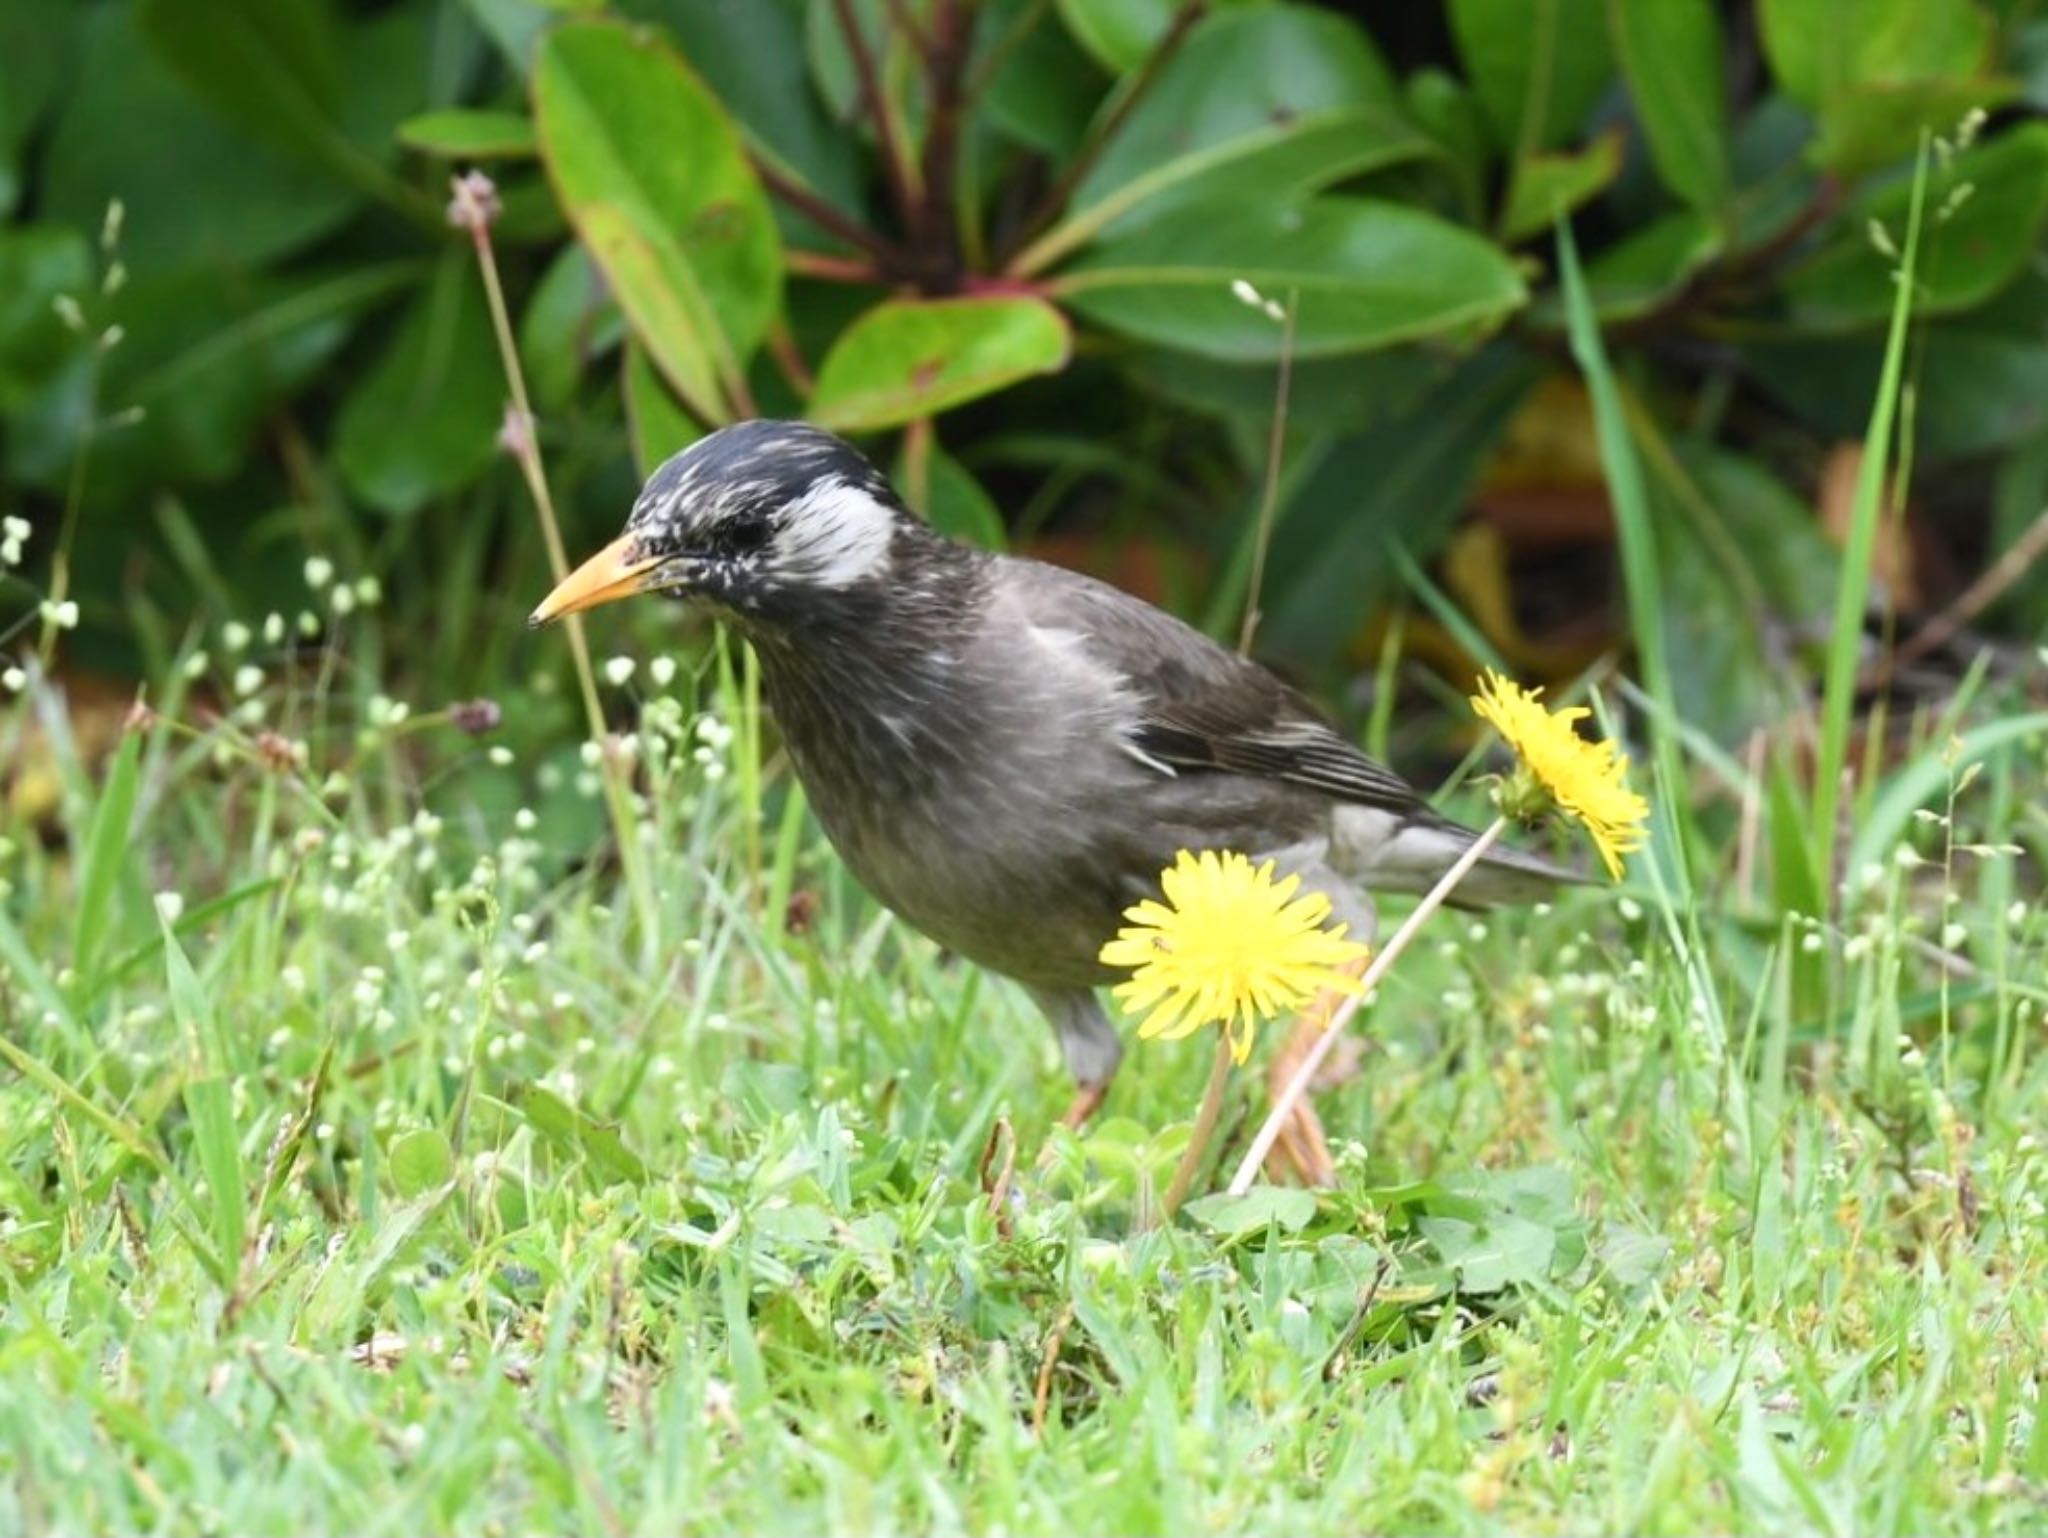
[(1200, 706)]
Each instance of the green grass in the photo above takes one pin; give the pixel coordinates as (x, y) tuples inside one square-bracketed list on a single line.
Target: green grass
[(401, 1180)]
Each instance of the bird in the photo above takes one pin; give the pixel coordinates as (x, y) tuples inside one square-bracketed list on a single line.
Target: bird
[(1005, 753)]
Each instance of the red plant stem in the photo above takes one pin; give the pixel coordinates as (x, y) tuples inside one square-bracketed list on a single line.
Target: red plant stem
[(1111, 124), (938, 241), (895, 162), (828, 218)]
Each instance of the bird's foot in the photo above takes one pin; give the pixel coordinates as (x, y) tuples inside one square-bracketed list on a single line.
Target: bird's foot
[(1080, 1111), (1302, 1152), (1087, 1101)]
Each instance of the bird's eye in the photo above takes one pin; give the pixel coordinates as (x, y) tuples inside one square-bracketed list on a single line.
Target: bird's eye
[(744, 535)]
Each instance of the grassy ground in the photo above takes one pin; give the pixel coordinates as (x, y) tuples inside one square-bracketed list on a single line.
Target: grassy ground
[(370, 1165)]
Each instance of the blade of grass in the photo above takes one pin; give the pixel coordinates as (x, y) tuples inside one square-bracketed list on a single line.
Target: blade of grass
[(105, 855), (209, 1104), (1839, 694), (1631, 498)]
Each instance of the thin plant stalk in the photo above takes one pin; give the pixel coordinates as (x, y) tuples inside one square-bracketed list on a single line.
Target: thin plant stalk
[(1859, 552), (475, 207), (1312, 1062), (1205, 1129), (1269, 495)]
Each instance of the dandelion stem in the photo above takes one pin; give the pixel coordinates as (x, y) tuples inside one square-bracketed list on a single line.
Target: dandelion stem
[(1205, 1129), (1297, 1087)]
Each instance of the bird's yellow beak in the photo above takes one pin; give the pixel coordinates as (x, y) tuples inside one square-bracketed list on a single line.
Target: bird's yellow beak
[(616, 571)]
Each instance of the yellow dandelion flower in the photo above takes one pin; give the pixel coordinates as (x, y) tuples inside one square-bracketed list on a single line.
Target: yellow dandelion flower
[(1230, 945), (1586, 780)]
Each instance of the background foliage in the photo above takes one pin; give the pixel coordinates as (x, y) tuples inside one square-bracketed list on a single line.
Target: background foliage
[(997, 241)]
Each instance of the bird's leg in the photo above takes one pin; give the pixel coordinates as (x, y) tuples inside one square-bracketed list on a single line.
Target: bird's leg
[(1081, 1110), (1301, 1152)]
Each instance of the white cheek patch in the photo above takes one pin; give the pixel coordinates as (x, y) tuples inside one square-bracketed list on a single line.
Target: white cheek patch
[(834, 535)]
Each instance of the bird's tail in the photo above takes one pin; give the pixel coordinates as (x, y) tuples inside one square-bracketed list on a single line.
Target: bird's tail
[(1388, 852)]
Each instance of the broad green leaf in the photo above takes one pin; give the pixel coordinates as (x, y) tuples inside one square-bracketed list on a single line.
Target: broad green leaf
[(1976, 243), (195, 190), (652, 174), (657, 421), (1403, 481), (209, 358), (470, 133), (275, 69), (1547, 185), (1982, 381), (753, 51), (954, 502), (1325, 393), (210, 1105), (1632, 277), (1271, 101), (1260, 1208), (34, 40), (514, 26), (1117, 34), (105, 856), (911, 358), (578, 1132), (1538, 65), (1671, 55), (1504, 1251), (419, 1161), (569, 323), (1367, 274), (1449, 112), (1876, 72), (38, 262), (424, 419), (1044, 89)]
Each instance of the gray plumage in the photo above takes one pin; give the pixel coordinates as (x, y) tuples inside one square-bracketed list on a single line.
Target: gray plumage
[(1005, 753)]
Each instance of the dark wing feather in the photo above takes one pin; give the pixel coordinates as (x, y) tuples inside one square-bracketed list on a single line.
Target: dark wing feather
[(1203, 707)]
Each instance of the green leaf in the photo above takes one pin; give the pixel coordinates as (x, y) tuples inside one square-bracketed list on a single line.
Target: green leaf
[(1538, 65), (684, 235), (1634, 276), (657, 421), (912, 358), (1976, 243), (1260, 1208), (34, 39), (424, 420), (274, 68), (578, 1132), (419, 1161), (210, 1105), (754, 51), (470, 133), (954, 502), (1368, 274), (37, 263), (1500, 1252), (1044, 89), (1274, 101), (105, 855), (1404, 481), (195, 189), (1117, 33), (1671, 56), (1877, 72), (1982, 376), (569, 324), (1546, 186)]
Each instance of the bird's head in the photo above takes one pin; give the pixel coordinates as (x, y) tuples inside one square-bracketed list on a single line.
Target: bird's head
[(765, 520)]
